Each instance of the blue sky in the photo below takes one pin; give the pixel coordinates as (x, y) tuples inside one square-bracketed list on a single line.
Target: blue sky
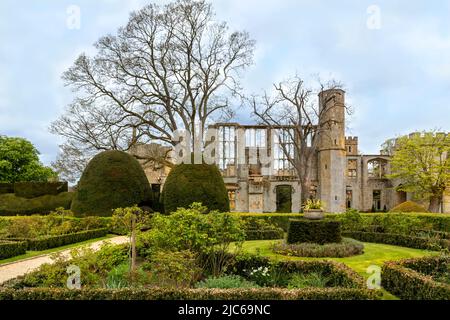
[(397, 76)]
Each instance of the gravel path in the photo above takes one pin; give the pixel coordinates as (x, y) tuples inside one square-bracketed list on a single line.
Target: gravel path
[(21, 267)]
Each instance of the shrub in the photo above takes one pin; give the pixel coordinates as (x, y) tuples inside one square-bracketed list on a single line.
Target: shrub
[(299, 280), (401, 279), (189, 183), (11, 205), (347, 248), (409, 206), (177, 269), (6, 188), (48, 242), (226, 282), (112, 179), (399, 240), (191, 229), (320, 232), (260, 229), (189, 294), (10, 249), (31, 190)]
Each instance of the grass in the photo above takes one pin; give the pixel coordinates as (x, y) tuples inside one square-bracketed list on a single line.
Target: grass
[(31, 254), (374, 254)]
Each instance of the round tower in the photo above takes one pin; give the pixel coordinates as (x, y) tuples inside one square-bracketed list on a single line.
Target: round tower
[(332, 153)]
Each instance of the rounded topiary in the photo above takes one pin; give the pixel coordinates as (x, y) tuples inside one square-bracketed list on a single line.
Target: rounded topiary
[(409, 206), (189, 183), (112, 179)]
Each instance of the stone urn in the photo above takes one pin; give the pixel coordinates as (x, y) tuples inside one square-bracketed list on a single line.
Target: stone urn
[(314, 214)]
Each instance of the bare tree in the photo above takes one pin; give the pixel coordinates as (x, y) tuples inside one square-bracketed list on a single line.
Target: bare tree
[(170, 68), (292, 111)]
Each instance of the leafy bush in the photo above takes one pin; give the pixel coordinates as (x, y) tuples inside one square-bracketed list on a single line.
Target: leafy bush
[(401, 279), (31, 190), (10, 249), (121, 277), (112, 179), (11, 205), (174, 269), (409, 206), (399, 240), (189, 183), (226, 282), (315, 280), (209, 235), (321, 231), (347, 248)]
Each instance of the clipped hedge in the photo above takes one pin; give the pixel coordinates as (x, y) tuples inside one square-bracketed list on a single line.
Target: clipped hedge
[(49, 242), (279, 219), (409, 206), (10, 249), (264, 235), (400, 278), (399, 240), (31, 190), (189, 294), (347, 248), (6, 188), (11, 205), (314, 231)]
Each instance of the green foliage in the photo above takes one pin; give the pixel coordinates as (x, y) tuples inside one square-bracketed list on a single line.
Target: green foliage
[(10, 249), (174, 268), (121, 277), (399, 240), (19, 161), (123, 219), (315, 280), (189, 183), (347, 248), (260, 229), (226, 282), (410, 279), (112, 179), (33, 189), (191, 229), (189, 294), (321, 231), (6, 188), (11, 205), (409, 206), (420, 161)]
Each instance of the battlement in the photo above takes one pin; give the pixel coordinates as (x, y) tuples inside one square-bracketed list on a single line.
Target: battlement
[(351, 140)]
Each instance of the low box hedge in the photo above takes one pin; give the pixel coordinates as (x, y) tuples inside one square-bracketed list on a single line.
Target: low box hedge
[(314, 231), (31, 190), (10, 249), (400, 278), (264, 235), (189, 294), (399, 240), (49, 242)]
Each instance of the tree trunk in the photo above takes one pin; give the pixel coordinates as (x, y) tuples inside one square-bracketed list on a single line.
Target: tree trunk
[(435, 204), (306, 186), (133, 245)]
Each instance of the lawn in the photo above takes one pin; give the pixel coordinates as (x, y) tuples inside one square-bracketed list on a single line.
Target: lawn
[(31, 254), (374, 254)]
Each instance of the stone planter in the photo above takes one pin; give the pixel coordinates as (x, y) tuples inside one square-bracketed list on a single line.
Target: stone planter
[(314, 214)]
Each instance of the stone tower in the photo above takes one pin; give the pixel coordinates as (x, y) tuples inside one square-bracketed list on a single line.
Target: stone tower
[(332, 152)]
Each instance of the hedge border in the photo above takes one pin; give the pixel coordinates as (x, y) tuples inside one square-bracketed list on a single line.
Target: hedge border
[(314, 231), (398, 278), (10, 249), (49, 242), (346, 248), (399, 240)]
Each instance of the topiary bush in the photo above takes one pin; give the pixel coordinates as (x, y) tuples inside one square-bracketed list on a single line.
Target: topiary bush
[(409, 206), (112, 179), (189, 183), (321, 231)]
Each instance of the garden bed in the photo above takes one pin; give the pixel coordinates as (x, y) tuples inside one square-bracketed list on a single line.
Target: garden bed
[(346, 248), (418, 279)]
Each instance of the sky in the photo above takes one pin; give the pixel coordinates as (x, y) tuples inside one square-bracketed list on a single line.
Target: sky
[(393, 58)]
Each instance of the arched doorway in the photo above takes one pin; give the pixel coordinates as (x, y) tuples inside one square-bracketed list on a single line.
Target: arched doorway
[(284, 199)]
